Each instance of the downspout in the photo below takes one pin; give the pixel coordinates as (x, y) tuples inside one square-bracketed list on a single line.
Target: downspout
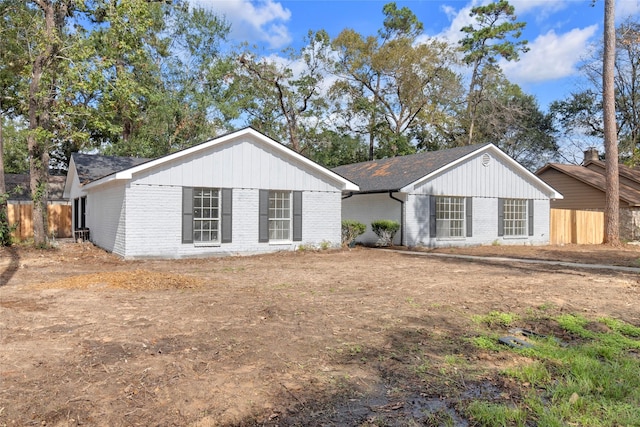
[(401, 216)]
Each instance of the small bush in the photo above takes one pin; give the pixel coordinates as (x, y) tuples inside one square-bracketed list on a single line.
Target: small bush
[(351, 229), (385, 230)]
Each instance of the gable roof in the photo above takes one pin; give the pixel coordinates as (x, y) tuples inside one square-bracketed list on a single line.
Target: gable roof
[(18, 186), (96, 170), (394, 173), (397, 174), (91, 167), (595, 179), (623, 170)]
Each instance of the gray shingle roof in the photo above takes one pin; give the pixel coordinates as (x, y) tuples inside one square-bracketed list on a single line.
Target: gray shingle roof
[(95, 166), (397, 172)]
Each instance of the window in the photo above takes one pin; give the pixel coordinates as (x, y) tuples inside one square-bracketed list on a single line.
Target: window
[(450, 216), (279, 215), (515, 217), (206, 215)]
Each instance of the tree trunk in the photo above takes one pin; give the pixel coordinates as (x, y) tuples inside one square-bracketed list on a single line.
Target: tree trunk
[(612, 199), (4, 210), (40, 105)]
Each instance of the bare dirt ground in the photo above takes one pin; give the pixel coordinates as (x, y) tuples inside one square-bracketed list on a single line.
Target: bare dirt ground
[(357, 337)]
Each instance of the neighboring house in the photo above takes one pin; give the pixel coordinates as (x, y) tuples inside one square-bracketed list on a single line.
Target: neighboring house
[(584, 188), (242, 192), (471, 195), (19, 189)]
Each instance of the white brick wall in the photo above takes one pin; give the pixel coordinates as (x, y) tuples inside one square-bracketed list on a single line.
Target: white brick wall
[(154, 221), (105, 217), (485, 224)]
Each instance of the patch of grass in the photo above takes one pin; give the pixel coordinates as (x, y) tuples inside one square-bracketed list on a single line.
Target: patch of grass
[(485, 343), (493, 414), (592, 381), (496, 318)]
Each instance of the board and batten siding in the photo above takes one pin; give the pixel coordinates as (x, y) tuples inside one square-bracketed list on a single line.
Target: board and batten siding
[(154, 223), (238, 164), (105, 217), (472, 178)]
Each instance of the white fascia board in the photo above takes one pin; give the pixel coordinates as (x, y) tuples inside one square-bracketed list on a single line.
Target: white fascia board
[(553, 194), (127, 174), (68, 183)]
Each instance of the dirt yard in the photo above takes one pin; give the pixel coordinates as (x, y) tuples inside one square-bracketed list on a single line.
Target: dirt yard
[(358, 337)]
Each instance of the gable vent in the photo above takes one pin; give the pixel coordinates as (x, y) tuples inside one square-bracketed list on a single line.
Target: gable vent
[(486, 159)]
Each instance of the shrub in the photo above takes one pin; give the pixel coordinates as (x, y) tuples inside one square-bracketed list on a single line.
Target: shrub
[(350, 230), (385, 230)]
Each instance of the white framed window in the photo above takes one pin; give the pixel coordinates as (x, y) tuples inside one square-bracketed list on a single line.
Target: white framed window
[(515, 217), (280, 216), (206, 215), (450, 217)]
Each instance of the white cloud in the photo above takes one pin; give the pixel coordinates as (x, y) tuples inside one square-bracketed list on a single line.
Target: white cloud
[(542, 8), (551, 56), (627, 8), (253, 22)]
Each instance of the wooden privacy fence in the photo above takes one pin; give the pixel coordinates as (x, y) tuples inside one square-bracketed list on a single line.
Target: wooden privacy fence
[(59, 219), (578, 227)]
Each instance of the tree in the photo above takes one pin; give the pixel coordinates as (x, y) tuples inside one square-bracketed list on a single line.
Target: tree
[(581, 114), (283, 103), (494, 37), (392, 84), (513, 121), (612, 198)]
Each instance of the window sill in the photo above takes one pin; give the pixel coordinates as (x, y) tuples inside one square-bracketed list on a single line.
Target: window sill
[(450, 239), (515, 237), (280, 242), (207, 245)]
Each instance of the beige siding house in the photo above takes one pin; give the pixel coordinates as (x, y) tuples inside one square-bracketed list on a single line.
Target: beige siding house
[(583, 187)]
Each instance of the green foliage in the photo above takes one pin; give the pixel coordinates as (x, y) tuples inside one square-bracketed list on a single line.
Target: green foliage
[(5, 228), (592, 381), (351, 229), (385, 230), (392, 88)]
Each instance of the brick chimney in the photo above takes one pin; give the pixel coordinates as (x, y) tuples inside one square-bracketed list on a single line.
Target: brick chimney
[(590, 154)]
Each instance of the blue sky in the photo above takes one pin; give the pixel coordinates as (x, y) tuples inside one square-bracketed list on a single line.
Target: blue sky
[(560, 32)]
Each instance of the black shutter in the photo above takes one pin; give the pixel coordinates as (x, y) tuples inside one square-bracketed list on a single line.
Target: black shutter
[(432, 216), (187, 215), (227, 210), (500, 217), (297, 216), (469, 216), (83, 212), (530, 219), (76, 214), (263, 220)]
